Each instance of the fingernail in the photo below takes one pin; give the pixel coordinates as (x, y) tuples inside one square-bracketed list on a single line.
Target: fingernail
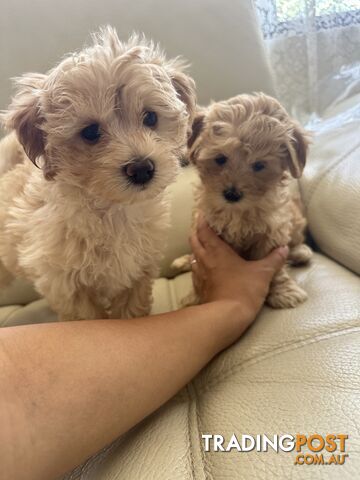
[(284, 251)]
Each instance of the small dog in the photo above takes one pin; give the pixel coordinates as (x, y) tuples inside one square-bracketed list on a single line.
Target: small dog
[(245, 150), (108, 126)]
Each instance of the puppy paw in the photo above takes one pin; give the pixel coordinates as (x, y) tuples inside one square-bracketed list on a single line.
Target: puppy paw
[(287, 295), (181, 264), (300, 254)]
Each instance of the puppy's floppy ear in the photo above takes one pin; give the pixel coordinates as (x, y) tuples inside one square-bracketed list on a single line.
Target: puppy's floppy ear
[(24, 115), (185, 88), (183, 84), (196, 129), (297, 151)]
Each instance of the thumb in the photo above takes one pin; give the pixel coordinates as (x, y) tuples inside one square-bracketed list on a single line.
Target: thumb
[(275, 260)]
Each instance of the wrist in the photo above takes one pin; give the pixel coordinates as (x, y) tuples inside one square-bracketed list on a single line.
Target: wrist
[(229, 320)]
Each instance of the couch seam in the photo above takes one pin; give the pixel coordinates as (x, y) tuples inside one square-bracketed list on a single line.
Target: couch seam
[(332, 167), (224, 375), (193, 413), (192, 469), (80, 471), (18, 307), (172, 295)]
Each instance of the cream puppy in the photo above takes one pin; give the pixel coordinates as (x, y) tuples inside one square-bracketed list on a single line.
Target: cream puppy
[(246, 150), (108, 129)]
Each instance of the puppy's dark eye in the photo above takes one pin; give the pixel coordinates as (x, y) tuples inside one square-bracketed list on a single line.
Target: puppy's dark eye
[(150, 119), (258, 166), (221, 159), (91, 133)]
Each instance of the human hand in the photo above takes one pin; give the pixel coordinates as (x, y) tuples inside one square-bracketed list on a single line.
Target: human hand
[(219, 273)]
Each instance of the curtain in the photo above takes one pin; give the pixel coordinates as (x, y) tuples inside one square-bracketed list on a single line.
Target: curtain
[(314, 51)]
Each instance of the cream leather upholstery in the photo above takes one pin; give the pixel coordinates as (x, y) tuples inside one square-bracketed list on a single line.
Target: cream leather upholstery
[(294, 371)]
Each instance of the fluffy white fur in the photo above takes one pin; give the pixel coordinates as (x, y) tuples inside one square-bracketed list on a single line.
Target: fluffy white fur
[(89, 239)]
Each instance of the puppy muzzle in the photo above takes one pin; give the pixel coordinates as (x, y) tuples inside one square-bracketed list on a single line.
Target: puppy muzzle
[(232, 195), (140, 171)]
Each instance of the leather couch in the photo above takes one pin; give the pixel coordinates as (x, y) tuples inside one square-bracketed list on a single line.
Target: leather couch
[(294, 371)]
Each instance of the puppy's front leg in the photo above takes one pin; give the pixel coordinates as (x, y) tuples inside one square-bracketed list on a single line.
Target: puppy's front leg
[(80, 307), (300, 254), (285, 292), (135, 302), (68, 301)]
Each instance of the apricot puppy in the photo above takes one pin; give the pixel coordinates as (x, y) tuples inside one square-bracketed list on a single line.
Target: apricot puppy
[(108, 127), (246, 150)]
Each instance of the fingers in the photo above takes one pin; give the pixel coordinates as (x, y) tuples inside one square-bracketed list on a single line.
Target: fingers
[(208, 238), (195, 266), (206, 235), (274, 261), (198, 250)]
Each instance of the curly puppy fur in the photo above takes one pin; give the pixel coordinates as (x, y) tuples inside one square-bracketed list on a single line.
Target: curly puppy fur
[(87, 235), (246, 149)]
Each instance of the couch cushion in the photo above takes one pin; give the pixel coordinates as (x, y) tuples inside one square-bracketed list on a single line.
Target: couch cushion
[(181, 195), (331, 184), (294, 371)]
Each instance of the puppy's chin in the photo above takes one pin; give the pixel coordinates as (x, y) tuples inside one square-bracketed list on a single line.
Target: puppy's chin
[(217, 202), (241, 205), (136, 194), (121, 191)]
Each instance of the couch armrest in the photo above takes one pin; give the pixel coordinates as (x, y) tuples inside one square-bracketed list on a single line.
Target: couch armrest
[(331, 186)]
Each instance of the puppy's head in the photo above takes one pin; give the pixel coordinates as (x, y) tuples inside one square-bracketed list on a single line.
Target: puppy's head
[(244, 147), (112, 119)]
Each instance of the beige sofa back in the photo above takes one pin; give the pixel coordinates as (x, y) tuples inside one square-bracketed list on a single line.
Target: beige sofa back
[(220, 39)]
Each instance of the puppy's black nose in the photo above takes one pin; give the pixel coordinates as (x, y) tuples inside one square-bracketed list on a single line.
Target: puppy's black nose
[(232, 195), (140, 170)]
